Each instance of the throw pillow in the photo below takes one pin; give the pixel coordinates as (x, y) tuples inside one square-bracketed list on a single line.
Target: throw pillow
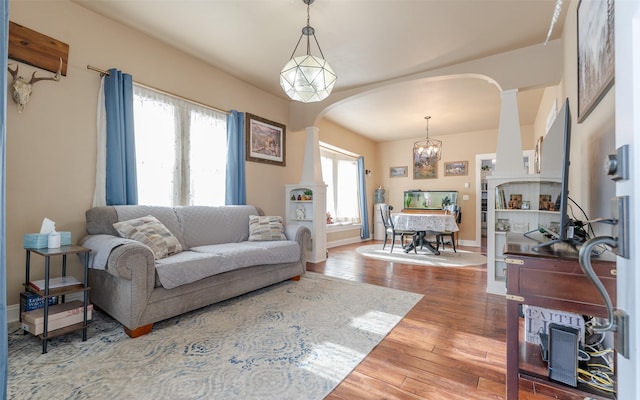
[(148, 230), (262, 228)]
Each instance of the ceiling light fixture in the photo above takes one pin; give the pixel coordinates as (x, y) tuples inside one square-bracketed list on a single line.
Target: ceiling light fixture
[(307, 78), (427, 151)]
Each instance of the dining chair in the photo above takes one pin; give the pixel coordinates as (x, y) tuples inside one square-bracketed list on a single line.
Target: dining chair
[(452, 209), (390, 230)]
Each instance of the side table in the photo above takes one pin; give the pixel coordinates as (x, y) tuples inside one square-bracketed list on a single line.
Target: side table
[(47, 253)]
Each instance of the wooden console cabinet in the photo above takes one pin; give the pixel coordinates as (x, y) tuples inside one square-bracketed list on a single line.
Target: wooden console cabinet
[(549, 278)]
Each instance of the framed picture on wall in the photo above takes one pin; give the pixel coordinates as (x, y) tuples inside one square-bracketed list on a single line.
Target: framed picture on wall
[(456, 168), (397, 172), (424, 171), (265, 140), (595, 54)]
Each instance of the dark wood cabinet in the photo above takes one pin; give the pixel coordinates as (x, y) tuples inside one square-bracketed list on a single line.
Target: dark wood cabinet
[(549, 278)]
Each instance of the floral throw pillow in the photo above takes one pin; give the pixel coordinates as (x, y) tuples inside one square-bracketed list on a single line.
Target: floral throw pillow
[(263, 228), (148, 230)]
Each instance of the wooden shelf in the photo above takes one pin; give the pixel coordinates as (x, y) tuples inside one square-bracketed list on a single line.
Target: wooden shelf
[(59, 291), (64, 330), (551, 278)]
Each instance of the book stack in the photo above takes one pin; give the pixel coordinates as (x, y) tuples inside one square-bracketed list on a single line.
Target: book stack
[(60, 315), (31, 301)]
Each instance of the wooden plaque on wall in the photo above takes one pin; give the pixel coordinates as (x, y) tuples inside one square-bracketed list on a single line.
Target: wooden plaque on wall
[(33, 48)]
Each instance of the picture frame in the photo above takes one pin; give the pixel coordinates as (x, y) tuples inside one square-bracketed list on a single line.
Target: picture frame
[(537, 156), (398, 172), (425, 171), (265, 140), (456, 168), (596, 55)]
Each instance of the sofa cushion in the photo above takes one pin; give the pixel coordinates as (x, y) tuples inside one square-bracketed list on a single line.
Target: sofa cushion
[(204, 261), (267, 228), (166, 215), (203, 225), (151, 232)]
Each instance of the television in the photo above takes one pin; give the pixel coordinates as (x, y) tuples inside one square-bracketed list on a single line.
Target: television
[(554, 165)]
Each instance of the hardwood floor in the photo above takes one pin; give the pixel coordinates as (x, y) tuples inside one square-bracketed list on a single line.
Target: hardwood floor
[(451, 345)]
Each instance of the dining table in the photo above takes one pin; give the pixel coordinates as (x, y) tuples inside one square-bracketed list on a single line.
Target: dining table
[(424, 224)]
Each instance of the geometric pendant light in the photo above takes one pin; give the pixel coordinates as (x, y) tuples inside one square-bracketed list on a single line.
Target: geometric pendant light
[(307, 78)]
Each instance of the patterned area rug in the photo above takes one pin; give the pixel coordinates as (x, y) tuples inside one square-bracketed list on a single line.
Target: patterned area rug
[(293, 340), (447, 257)]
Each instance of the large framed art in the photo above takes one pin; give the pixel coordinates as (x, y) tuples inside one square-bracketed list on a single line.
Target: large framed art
[(423, 170), (595, 54), (265, 140)]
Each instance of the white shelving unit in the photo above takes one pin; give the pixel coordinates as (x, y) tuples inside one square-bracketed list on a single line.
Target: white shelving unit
[(530, 187), (310, 213)]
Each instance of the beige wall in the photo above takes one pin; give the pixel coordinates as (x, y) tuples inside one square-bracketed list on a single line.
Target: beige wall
[(51, 145), (458, 147)]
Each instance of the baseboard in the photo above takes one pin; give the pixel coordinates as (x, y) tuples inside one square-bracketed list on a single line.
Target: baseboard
[(13, 311), (343, 242)]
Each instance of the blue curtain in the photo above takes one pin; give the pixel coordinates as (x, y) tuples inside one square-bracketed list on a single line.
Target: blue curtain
[(362, 189), (121, 183), (4, 334), (236, 192)]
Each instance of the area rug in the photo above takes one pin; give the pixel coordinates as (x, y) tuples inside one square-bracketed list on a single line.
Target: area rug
[(293, 340), (447, 257)]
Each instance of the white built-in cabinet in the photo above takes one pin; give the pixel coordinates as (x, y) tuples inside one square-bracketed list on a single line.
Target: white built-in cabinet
[(503, 220), (306, 205)]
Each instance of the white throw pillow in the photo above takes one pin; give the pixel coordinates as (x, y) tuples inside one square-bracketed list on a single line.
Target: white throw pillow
[(262, 228), (153, 233)]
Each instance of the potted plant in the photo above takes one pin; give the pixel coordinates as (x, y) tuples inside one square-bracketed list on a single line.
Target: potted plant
[(308, 194)]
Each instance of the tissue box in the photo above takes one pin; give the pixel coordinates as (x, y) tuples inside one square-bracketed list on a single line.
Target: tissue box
[(41, 240)]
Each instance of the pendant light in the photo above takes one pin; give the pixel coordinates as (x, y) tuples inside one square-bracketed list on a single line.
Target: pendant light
[(307, 78), (428, 151)]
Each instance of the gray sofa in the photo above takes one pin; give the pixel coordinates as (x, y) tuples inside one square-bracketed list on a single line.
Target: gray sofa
[(217, 261)]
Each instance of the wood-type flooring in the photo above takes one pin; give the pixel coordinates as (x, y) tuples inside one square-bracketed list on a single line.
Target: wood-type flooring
[(451, 345)]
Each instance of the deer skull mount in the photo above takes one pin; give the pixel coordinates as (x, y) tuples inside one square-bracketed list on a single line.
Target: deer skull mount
[(21, 89)]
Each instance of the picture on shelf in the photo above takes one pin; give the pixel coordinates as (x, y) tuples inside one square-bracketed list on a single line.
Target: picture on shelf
[(546, 203), (515, 201)]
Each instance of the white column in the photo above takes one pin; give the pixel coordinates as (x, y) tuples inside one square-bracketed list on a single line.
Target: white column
[(509, 149), (312, 168)]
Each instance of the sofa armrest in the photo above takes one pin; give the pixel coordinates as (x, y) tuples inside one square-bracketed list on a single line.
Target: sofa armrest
[(125, 259), (302, 235)]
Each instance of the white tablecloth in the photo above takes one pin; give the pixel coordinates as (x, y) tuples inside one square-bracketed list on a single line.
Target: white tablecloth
[(425, 222)]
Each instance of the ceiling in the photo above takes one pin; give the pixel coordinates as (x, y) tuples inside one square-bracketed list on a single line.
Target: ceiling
[(365, 42)]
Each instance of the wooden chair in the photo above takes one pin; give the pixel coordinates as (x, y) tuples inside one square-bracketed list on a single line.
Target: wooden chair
[(390, 230), (454, 210)]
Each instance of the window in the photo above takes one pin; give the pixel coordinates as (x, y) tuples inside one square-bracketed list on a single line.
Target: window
[(340, 173), (181, 150)]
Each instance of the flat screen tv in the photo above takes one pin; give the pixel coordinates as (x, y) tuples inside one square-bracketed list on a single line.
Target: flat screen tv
[(552, 166)]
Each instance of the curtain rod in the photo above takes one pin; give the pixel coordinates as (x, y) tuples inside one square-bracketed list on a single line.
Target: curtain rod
[(103, 72)]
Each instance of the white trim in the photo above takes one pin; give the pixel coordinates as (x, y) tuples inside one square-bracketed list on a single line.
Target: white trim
[(350, 240), (343, 227)]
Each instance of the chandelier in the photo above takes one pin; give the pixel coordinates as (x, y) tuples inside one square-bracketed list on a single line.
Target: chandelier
[(307, 78), (427, 151)]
